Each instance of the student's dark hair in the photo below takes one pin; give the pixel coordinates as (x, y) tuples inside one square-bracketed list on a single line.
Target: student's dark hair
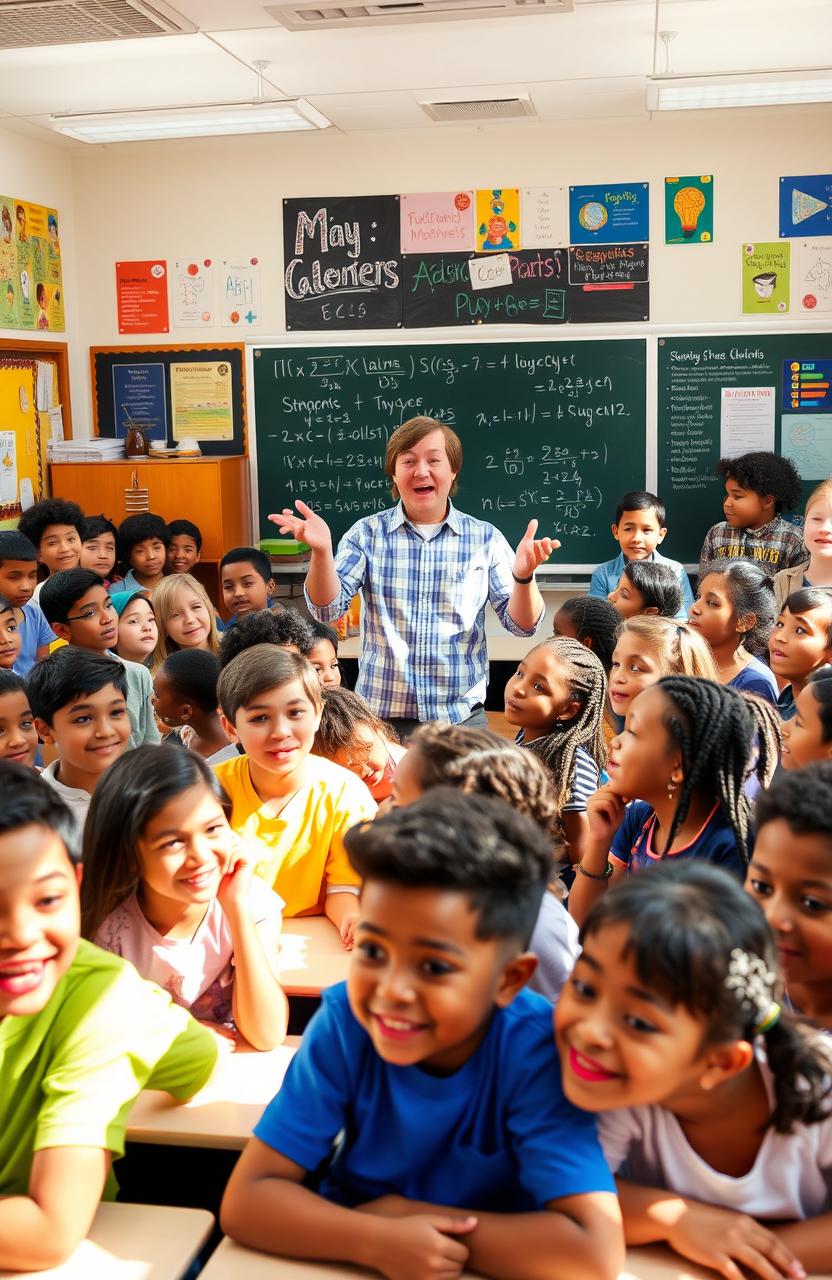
[(266, 627), (128, 795), (692, 931), (588, 685), (802, 798), (641, 500), (68, 674), (95, 526), (62, 590), (765, 473), (751, 592), (259, 669), (343, 712), (11, 682), (138, 528), (657, 584), (321, 631), (807, 599), (27, 801), (14, 545), (193, 674), (596, 622), (185, 529), (714, 730), (48, 511), (479, 762), (820, 682), (258, 560), (471, 844), (768, 739)]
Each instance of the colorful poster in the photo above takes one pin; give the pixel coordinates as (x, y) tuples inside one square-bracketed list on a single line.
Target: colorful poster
[(201, 401), (765, 278), (31, 285), (142, 296), (438, 289), (543, 210), (8, 468), (807, 441), (609, 283), (811, 275), (192, 289), (498, 219), (609, 214), (807, 385), (437, 222), (689, 209), (139, 397), (240, 292), (806, 205)]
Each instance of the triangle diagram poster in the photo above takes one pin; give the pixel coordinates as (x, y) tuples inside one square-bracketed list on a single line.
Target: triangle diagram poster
[(806, 205)]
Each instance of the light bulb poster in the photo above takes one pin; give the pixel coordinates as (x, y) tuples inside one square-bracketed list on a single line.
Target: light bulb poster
[(610, 214), (689, 209), (765, 278)]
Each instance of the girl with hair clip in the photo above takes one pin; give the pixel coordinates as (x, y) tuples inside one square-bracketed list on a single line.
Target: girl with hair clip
[(647, 649), (714, 1104), (808, 736), (685, 753), (817, 539), (170, 887), (556, 699), (185, 617), (352, 735), (734, 611)]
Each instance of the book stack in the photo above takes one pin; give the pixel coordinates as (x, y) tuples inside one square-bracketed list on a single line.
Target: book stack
[(99, 449)]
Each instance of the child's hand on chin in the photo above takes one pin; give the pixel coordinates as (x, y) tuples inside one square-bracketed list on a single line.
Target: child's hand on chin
[(237, 877), (605, 811), (725, 1241)]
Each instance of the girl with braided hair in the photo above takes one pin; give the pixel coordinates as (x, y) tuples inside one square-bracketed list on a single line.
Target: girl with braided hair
[(685, 752), (593, 621), (718, 1101)]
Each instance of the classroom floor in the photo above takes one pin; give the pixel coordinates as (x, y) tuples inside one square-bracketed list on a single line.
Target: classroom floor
[(497, 723)]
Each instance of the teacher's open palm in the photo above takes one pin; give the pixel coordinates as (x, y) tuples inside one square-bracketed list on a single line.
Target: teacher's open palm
[(308, 527)]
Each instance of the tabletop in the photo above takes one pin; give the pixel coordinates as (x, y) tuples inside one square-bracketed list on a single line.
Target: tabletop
[(312, 956)]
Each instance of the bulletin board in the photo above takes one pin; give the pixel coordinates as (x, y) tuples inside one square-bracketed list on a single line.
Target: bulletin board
[(24, 431), (175, 392)]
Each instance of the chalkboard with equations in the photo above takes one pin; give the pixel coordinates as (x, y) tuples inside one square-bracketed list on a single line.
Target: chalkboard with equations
[(553, 430)]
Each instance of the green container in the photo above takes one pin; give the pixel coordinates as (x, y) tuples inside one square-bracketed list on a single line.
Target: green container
[(283, 547)]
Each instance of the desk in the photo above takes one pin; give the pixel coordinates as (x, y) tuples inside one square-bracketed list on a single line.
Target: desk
[(222, 1114), (133, 1242), (312, 956)]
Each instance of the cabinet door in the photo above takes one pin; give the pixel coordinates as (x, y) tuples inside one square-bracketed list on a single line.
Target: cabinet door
[(181, 490), (97, 487)]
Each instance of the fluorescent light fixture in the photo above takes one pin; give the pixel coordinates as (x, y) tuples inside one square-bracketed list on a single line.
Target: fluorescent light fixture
[(701, 93), (215, 121)]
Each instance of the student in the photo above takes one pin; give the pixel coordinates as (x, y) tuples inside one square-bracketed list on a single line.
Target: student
[(758, 486), (142, 549), (185, 700), (816, 571), (298, 805), (685, 752), (441, 1073), (647, 649), (790, 876), (478, 762), (648, 589), (800, 643), (246, 581), (713, 1102), (81, 612), (54, 527), (168, 886), (556, 698), (591, 620), (138, 633), (768, 743), (808, 735), (98, 546), (639, 529), (324, 655), (353, 736), (283, 627), (184, 546), (82, 1035), (11, 619), (734, 611), (18, 578), (184, 617), (18, 735)]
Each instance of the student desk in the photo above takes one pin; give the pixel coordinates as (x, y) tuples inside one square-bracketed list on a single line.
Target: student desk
[(222, 1114), (133, 1242), (312, 956)]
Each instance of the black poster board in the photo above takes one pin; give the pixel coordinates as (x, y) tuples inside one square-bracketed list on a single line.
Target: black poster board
[(609, 282), (438, 290), (341, 263)]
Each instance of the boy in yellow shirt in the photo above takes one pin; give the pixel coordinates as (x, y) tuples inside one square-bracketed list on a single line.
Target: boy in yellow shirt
[(298, 805)]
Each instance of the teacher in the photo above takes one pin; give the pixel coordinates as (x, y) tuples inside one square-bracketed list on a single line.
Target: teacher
[(426, 572)]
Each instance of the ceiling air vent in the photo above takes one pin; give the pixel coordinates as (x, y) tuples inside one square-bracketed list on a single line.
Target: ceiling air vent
[(478, 111), (29, 24), (311, 15)]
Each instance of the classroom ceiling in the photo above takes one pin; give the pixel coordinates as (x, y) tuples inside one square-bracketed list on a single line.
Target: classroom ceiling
[(590, 62)]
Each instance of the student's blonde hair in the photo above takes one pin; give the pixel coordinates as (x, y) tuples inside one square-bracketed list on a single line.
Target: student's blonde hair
[(162, 602), (680, 650), (823, 491)]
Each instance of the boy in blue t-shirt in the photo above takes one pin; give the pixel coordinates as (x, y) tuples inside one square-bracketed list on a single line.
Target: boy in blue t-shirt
[(639, 528), (424, 1105), (18, 579)]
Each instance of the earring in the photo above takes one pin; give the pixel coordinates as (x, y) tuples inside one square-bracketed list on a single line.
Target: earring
[(671, 787)]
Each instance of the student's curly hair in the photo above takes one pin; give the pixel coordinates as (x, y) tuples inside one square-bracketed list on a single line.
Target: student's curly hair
[(769, 739), (266, 627), (595, 621), (343, 712), (765, 473), (48, 511), (588, 685), (751, 592), (802, 798)]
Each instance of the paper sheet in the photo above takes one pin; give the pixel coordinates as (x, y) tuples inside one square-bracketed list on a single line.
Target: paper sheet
[(746, 420), (44, 385)]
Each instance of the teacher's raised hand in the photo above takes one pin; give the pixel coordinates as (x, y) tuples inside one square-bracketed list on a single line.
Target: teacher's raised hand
[(308, 527), (532, 552)]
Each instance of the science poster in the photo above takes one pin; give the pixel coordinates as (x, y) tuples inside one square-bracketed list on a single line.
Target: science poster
[(609, 214), (498, 220), (806, 205), (192, 292), (689, 209), (31, 283), (765, 278)]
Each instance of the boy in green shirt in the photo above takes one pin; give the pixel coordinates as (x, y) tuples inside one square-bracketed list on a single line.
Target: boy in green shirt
[(80, 1035)]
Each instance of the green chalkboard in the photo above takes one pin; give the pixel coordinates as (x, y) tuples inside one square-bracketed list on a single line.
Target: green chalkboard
[(555, 430), (692, 375)]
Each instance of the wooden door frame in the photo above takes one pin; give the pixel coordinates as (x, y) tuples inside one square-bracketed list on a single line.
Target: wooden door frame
[(59, 352)]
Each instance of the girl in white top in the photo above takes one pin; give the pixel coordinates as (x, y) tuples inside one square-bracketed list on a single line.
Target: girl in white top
[(169, 886), (715, 1105)]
